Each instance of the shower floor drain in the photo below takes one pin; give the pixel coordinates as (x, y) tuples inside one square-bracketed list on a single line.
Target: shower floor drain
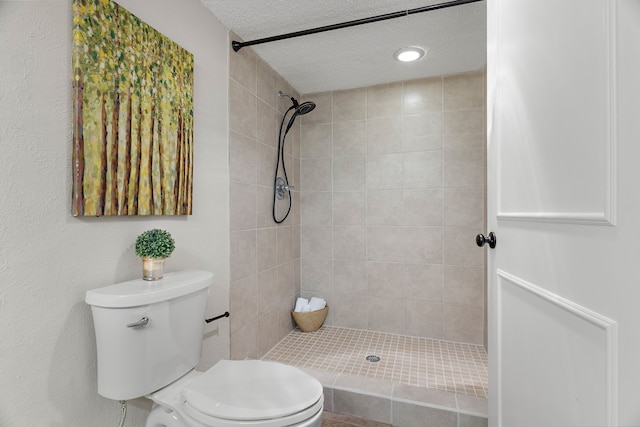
[(373, 358)]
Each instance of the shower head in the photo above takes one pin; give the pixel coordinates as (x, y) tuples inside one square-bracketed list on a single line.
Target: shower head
[(301, 109), (305, 107)]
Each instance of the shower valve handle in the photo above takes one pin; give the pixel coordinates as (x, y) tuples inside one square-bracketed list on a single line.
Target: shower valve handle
[(282, 187)]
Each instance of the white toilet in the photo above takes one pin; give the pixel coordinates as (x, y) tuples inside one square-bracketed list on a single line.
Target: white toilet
[(149, 339)]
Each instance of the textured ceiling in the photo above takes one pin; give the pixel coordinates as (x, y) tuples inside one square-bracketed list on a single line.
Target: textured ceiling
[(455, 39)]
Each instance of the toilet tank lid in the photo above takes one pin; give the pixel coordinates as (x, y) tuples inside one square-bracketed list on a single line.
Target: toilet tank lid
[(142, 292)]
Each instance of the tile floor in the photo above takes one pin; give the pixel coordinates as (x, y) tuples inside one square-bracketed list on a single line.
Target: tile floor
[(423, 362), (329, 419)]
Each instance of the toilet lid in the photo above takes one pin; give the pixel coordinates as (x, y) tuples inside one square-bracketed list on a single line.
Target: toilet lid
[(252, 390)]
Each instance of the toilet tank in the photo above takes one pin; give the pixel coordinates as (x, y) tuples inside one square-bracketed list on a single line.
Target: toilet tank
[(134, 361)]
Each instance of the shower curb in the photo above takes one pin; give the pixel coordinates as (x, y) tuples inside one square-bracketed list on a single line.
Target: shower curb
[(395, 404)]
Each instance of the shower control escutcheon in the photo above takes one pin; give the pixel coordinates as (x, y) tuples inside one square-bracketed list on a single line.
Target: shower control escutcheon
[(481, 239), (282, 187)]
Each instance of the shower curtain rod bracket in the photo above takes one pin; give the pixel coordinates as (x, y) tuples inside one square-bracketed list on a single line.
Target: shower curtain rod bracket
[(236, 45)]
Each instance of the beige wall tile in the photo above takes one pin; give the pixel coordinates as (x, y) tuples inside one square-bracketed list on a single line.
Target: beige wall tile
[(422, 169), (242, 110), (422, 207), (267, 250), (350, 311), (316, 208), (243, 254), (362, 406), (317, 275), (384, 135), (464, 286), (315, 175), (350, 277), (349, 138), (244, 342), (385, 279), (267, 84), (242, 206), (460, 247), (267, 285), (385, 244), (285, 319), (266, 157), (461, 91), (242, 158), (422, 245), (464, 207), (284, 236), (384, 100), (349, 173), (243, 302), (349, 207), (264, 206), (267, 117), (349, 105), (292, 141), (463, 141), (268, 328), (423, 319), (316, 242), (408, 415), (296, 241), (473, 404), (472, 421), (463, 324), (386, 314), (385, 170), (286, 283), (422, 132), (384, 207), (464, 122), (424, 395), (294, 215), (317, 141), (464, 168), (423, 96), (349, 242), (369, 385), (423, 282)]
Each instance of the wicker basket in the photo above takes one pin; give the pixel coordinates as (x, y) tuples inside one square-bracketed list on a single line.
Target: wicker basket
[(310, 321)]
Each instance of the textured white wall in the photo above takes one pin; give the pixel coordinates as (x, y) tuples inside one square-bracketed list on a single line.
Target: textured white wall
[(49, 259)]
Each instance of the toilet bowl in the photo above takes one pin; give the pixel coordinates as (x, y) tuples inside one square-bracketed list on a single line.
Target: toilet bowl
[(239, 393), (149, 340)]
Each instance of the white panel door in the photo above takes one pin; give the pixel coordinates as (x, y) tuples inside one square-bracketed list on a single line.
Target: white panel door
[(564, 202)]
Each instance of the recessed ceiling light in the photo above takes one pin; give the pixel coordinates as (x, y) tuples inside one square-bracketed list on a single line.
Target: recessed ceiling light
[(409, 53)]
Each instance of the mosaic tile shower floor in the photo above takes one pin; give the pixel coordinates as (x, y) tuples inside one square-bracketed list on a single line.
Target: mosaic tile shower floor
[(423, 362)]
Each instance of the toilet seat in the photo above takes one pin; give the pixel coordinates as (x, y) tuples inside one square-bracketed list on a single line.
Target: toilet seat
[(247, 393)]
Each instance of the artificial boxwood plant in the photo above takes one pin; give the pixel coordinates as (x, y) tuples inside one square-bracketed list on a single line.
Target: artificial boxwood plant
[(155, 243)]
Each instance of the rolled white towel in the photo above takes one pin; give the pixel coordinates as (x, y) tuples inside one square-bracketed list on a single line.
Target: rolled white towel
[(317, 303), (300, 304), (306, 308)]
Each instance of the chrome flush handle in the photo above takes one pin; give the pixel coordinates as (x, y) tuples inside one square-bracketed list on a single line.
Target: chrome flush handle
[(142, 322)]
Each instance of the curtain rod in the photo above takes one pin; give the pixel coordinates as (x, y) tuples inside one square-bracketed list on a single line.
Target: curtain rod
[(239, 45)]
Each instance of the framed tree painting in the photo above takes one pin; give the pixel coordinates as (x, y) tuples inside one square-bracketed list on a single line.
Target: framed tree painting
[(132, 116)]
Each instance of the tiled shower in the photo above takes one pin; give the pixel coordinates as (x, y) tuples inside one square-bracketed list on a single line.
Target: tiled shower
[(390, 193)]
